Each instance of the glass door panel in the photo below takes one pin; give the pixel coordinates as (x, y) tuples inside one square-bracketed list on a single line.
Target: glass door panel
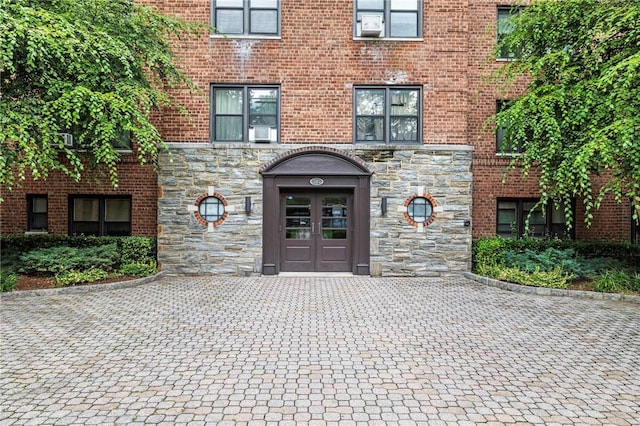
[(297, 217), (334, 218)]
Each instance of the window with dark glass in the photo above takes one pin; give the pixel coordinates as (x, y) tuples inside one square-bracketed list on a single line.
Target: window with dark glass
[(500, 134), (245, 113), (37, 212), (505, 26), (513, 215), (388, 114), (246, 17), (100, 215), (400, 18)]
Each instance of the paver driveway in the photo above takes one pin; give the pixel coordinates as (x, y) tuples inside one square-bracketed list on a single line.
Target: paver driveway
[(313, 350)]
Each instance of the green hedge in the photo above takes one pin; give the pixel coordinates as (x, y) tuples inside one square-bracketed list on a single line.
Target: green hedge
[(492, 251), (54, 253)]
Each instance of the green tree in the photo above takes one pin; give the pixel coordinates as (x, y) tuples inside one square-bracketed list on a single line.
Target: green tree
[(579, 119), (94, 68)]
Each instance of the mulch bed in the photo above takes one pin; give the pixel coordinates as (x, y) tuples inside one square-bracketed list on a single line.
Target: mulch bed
[(39, 283)]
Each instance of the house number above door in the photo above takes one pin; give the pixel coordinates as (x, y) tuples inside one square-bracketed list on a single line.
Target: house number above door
[(316, 181)]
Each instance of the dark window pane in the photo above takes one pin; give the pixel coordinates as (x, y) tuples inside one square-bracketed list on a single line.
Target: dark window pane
[(404, 129), (334, 234), (298, 234), (118, 229), (38, 221), (263, 101), (263, 120), (404, 102), (117, 210), (86, 210), (370, 129), (86, 228), (39, 205)]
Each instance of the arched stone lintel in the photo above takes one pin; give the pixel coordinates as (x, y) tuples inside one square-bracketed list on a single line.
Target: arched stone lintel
[(316, 160)]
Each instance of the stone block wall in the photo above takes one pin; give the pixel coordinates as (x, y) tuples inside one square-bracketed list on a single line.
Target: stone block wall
[(235, 247)]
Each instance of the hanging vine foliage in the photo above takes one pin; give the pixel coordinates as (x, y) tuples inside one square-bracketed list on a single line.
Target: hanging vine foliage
[(93, 68), (579, 119)]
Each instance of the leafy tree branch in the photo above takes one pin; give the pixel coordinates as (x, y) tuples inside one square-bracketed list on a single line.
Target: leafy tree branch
[(93, 68), (579, 120)]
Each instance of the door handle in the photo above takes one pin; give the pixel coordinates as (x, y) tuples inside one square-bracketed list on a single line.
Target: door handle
[(313, 228)]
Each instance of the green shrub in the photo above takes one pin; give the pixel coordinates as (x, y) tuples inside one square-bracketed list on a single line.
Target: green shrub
[(132, 248), (554, 262), (617, 281), (25, 243), (489, 252), (139, 269), (51, 261), (70, 278), (8, 281), (137, 250), (555, 278), (567, 259)]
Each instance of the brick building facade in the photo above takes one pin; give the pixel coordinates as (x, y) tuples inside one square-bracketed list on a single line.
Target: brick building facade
[(330, 135)]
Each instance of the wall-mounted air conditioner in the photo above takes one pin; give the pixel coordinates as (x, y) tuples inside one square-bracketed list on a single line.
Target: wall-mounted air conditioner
[(371, 26), (263, 134)]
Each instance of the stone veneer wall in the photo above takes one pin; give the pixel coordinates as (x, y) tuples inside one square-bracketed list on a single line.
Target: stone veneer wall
[(235, 247)]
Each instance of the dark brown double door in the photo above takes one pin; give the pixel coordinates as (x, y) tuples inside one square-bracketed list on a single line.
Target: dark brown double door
[(315, 231)]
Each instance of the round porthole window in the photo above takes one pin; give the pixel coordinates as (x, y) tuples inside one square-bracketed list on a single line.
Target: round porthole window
[(211, 209), (420, 210)]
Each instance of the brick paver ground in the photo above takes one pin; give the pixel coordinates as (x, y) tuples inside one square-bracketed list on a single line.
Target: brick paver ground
[(210, 350)]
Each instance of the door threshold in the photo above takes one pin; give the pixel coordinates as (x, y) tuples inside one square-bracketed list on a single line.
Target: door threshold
[(315, 274)]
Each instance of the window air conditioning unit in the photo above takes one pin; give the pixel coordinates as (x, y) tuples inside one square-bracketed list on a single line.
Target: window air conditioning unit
[(262, 134), (67, 140), (371, 26)]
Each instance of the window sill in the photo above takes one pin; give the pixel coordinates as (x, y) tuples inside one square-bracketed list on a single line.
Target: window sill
[(38, 232), (407, 39), (508, 154), (245, 37)]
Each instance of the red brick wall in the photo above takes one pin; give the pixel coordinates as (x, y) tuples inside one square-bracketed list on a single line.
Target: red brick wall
[(317, 62), (134, 180)]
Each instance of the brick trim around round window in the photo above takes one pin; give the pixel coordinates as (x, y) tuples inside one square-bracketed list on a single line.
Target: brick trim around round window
[(200, 199), (431, 200)]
